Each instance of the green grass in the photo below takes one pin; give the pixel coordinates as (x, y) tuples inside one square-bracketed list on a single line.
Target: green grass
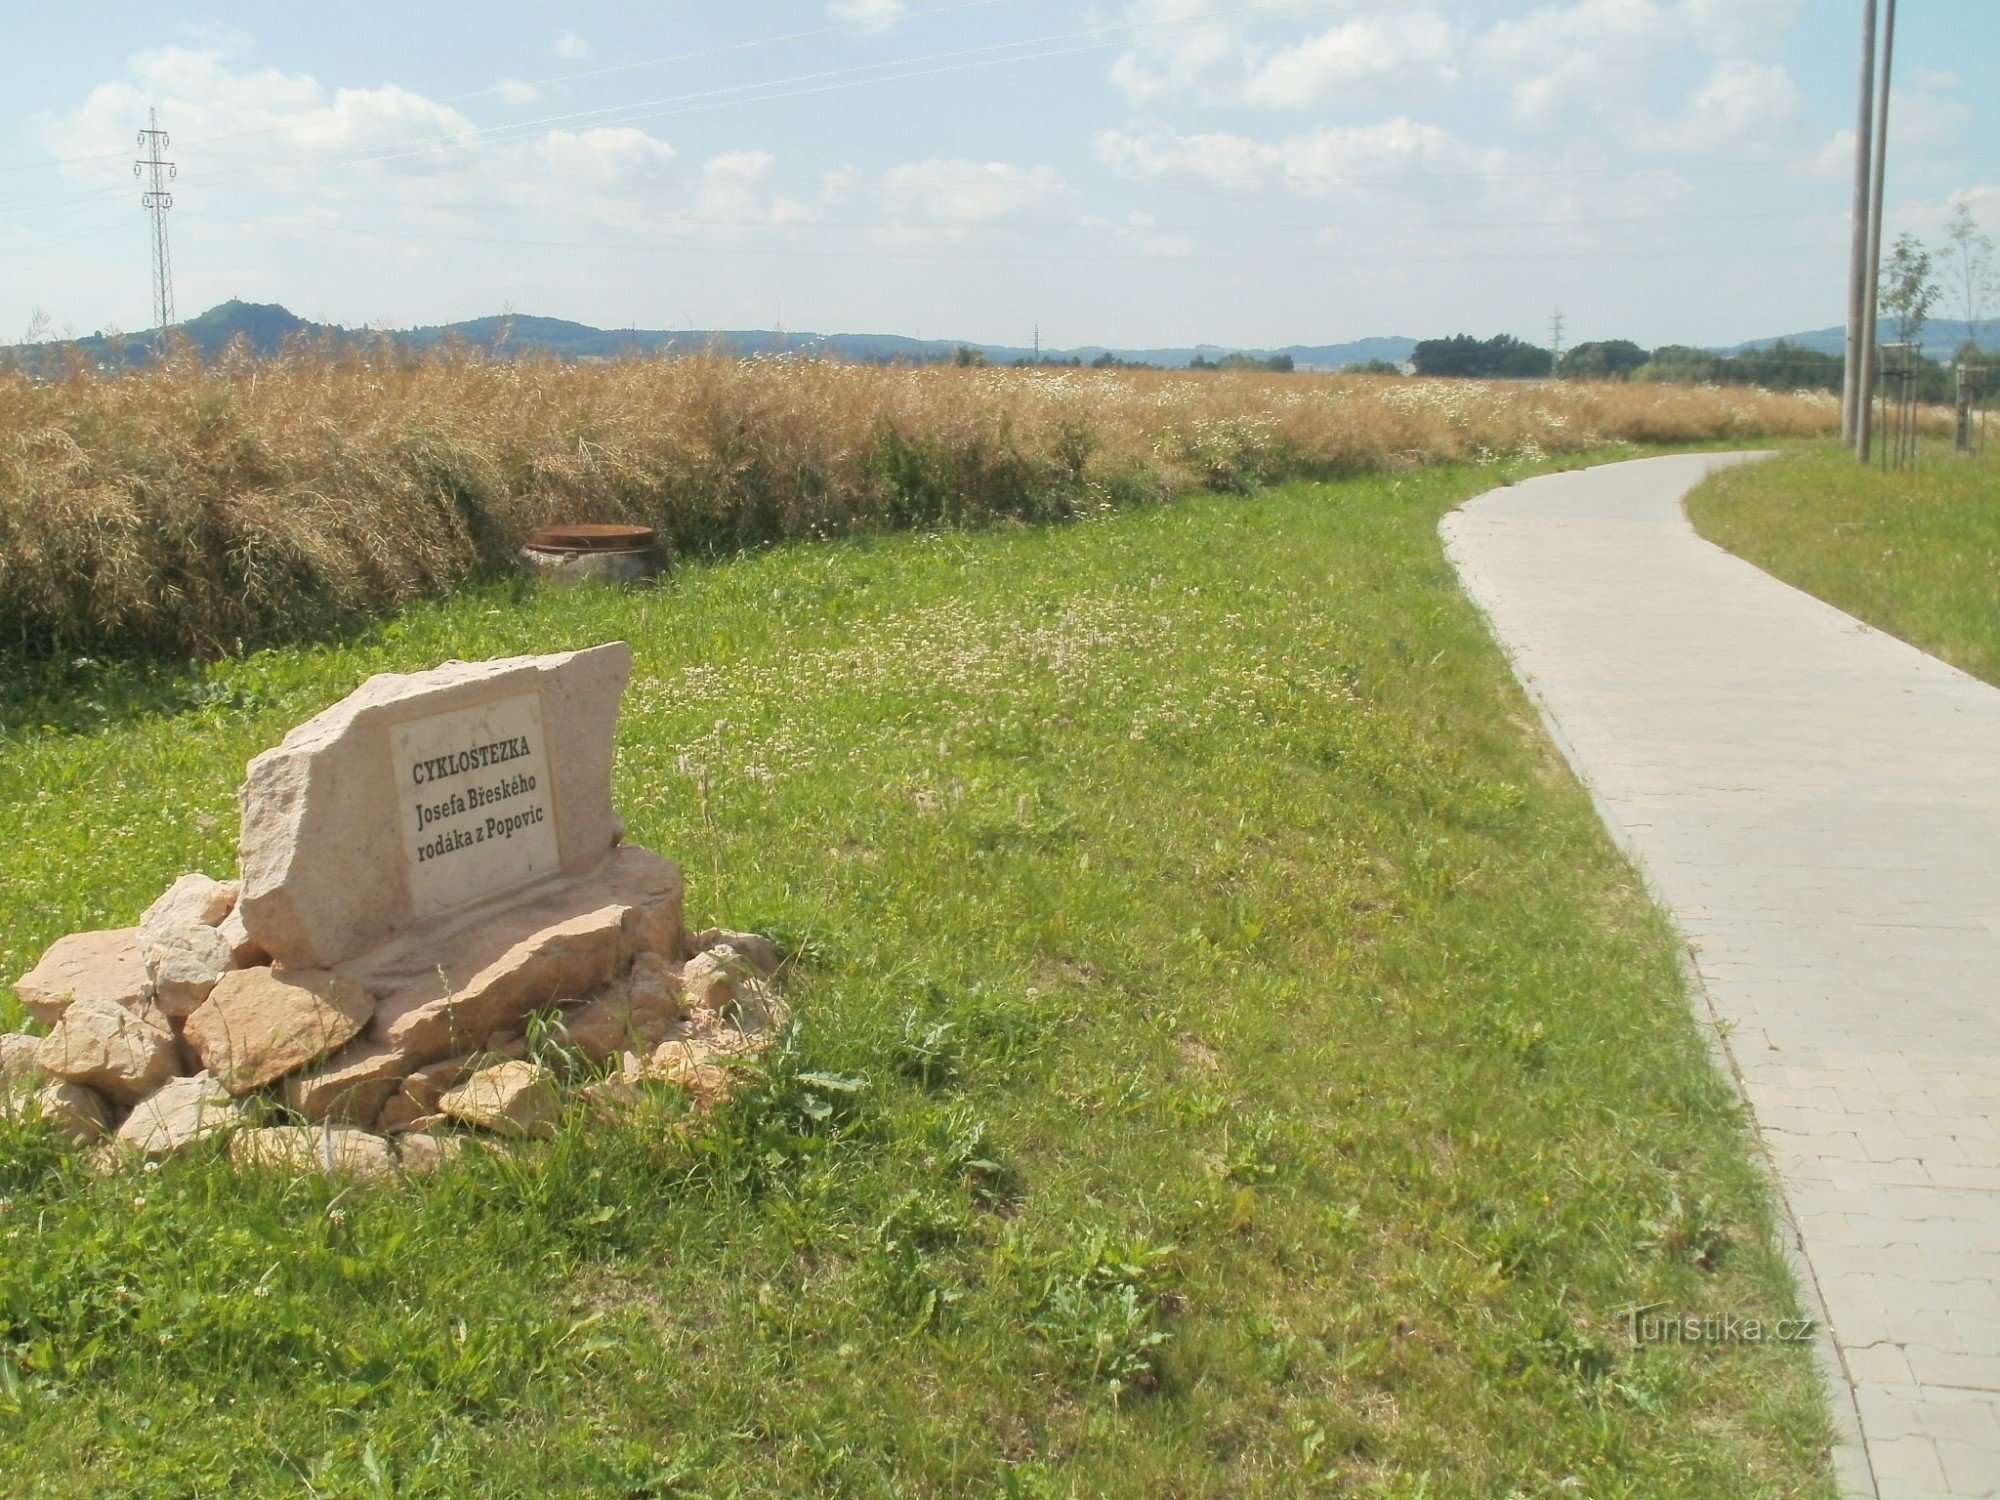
[(1914, 552), (1232, 1061)]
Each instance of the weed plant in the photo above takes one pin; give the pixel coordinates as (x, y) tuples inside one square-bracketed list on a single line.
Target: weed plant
[(203, 510)]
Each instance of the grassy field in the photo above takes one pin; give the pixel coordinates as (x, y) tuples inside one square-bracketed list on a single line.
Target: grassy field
[(1915, 552), (196, 510), (1231, 1061)]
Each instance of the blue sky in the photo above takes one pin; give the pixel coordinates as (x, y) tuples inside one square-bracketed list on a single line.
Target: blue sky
[(1146, 172)]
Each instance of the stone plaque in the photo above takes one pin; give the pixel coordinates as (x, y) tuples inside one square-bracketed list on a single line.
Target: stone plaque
[(417, 796), (476, 803)]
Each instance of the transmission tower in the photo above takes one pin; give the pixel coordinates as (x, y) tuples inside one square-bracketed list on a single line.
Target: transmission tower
[(157, 201), (1556, 342)]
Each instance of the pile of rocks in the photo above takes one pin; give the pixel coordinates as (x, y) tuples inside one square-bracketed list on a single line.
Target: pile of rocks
[(180, 1029), (345, 1004)]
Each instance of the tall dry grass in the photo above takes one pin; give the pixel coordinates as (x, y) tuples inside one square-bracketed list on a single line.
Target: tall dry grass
[(199, 509)]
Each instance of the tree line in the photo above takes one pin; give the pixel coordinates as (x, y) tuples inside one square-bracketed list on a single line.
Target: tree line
[(1959, 272)]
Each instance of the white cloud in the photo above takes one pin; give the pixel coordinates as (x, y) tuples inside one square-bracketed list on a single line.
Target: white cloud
[(946, 199), (218, 37), (618, 154), (966, 192), (513, 91), (1314, 163), (1403, 187), (1141, 231), (1922, 116), (1377, 53), (1983, 202), (1590, 54), (1832, 160), (734, 192), (1613, 66), (571, 46), (869, 15), (1741, 107), (841, 185), (1729, 28), (283, 115), (1382, 56), (394, 163)]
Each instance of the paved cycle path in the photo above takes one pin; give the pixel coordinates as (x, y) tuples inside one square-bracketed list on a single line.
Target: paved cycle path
[(1819, 805)]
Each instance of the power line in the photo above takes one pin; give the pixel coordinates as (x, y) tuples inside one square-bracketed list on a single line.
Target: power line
[(1094, 39), (835, 80), (704, 54), (683, 247), (157, 200)]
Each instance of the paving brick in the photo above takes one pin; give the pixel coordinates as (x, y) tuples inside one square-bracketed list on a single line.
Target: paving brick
[(1817, 803), (1907, 1466)]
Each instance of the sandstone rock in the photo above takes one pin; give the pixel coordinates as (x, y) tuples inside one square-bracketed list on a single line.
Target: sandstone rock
[(721, 983), (351, 1086), (759, 950), (427, 1085), (512, 1099), (650, 889), (402, 1113), (614, 1096), (653, 983), (102, 965), (245, 951), (184, 953), (79, 1114), (508, 1042), (757, 1011), (123, 1054), (20, 1063), (335, 1150), (177, 1115), (184, 967), (191, 901), (426, 1153), (260, 1024), (639, 1011), (710, 979), (694, 1067), (332, 842), (494, 975), (721, 1037)]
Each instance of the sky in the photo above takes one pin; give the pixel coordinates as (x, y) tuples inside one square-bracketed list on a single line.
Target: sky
[(1247, 173)]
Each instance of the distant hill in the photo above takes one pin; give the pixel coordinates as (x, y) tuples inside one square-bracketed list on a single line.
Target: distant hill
[(1942, 339), (266, 327)]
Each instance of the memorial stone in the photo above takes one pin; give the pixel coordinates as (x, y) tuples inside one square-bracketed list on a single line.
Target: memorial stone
[(422, 794), (425, 866)]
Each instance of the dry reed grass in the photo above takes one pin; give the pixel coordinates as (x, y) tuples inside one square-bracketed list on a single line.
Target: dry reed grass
[(201, 509)]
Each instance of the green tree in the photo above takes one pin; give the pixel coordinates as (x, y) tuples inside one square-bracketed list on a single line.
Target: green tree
[(1908, 292), (1467, 357), (1280, 364), (1611, 359), (1966, 261), (1782, 367), (1679, 364)]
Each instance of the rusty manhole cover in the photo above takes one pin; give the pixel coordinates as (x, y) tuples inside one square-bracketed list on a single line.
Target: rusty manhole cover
[(593, 537)]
